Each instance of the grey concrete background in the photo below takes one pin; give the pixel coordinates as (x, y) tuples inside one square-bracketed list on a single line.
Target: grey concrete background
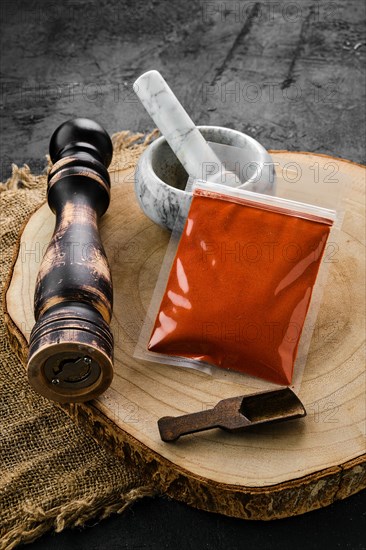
[(290, 74)]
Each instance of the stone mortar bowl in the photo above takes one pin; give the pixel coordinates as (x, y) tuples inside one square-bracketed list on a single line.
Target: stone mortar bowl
[(160, 179)]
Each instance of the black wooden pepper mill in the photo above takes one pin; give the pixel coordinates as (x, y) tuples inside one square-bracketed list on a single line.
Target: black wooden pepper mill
[(71, 345)]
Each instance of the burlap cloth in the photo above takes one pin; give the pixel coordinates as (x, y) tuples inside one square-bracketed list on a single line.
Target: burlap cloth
[(52, 474)]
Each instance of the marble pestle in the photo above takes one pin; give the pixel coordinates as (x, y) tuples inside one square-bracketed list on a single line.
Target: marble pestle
[(186, 141)]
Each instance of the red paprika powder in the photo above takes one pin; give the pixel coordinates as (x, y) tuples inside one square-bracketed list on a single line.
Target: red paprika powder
[(240, 285)]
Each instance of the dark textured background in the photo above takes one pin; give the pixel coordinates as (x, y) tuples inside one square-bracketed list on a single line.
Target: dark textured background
[(289, 74)]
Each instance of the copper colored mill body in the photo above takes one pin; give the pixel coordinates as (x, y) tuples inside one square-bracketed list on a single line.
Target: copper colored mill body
[(71, 344)]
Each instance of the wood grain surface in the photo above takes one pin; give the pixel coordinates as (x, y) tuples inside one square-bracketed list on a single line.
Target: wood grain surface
[(274, 472)]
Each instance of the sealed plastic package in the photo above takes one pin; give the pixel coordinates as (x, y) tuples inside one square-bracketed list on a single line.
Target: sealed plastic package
[(238, 292)]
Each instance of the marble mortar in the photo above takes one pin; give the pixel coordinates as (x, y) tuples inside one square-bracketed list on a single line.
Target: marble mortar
[(160, 179)]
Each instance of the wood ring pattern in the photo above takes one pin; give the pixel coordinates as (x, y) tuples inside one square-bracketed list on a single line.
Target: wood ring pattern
[(277, 472)]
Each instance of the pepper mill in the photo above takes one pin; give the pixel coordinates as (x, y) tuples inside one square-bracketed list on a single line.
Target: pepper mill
[(71, 344)]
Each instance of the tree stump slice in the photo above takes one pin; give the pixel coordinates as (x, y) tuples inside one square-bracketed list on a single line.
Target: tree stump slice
[(269, 473)]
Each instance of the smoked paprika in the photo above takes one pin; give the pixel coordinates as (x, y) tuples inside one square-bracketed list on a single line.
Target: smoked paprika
[(240, 285)]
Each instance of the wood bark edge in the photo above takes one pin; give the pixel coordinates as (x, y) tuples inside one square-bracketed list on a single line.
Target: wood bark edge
[(294, 497), (282, 500), (257, 503)]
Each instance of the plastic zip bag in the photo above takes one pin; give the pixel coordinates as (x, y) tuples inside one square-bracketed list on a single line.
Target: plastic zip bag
[(239, 292)]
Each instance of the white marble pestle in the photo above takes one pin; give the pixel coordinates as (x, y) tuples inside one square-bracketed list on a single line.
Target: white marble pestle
[(187, 142)]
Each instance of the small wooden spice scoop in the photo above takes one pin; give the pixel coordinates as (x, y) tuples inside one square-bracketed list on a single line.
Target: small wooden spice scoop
[(236, 414)]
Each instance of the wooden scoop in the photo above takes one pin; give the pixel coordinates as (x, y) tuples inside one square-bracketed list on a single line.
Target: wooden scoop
[(236, 414)]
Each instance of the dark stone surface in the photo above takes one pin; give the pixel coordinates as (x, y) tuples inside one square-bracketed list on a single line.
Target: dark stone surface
[(289, 74), (156, 524)]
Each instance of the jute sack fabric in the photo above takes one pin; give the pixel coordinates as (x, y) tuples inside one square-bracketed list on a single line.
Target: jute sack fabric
[(52, 474)]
